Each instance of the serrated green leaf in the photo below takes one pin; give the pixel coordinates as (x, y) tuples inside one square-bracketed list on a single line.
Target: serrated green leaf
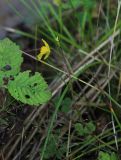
[(54, 149), (51, 149), (32, 90), (89, 128), (107, 156), (103, 155), (79, 129), (10, 59)]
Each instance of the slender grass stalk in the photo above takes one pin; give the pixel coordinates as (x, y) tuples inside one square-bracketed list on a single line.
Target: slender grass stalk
[(109, 69), (52, 121)]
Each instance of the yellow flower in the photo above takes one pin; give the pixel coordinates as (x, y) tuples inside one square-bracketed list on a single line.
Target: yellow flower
[(44, 51)]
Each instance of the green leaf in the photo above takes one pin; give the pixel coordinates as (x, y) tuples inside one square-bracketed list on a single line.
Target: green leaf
[(54, 149), (104, 156), (107, 156), (10, 60), (114, 156), (51, 147), (79, 128), (60, 151), (29, 89), (89, 128), (66, 105)]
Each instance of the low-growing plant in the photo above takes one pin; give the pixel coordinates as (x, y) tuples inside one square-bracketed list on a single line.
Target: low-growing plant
[(107, 156), (54, 149), (23, 86), (82, 130)]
